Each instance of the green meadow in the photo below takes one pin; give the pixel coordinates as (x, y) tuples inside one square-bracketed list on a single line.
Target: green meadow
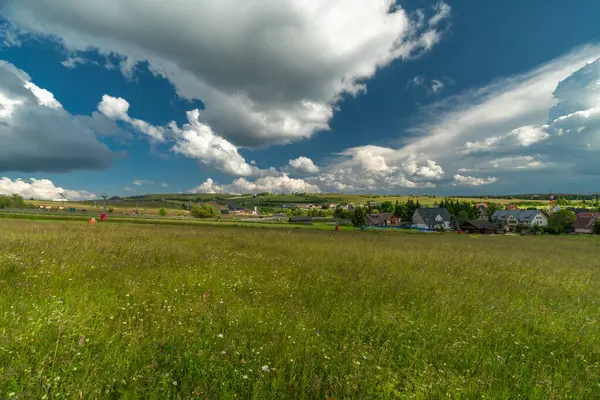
[(128, 311)]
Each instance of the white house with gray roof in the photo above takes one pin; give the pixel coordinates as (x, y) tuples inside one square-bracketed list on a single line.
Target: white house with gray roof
[(524, 218), (431, 218)]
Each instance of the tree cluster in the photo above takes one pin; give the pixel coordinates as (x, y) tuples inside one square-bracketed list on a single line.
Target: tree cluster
[(204, 211), (560, 221), (14, 201), (405, 211)]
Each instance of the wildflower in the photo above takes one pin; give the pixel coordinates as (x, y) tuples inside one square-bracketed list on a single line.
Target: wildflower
[(265, 368), (245, 377), (357, 362), (174, 383), (220, 336), (11, 394)]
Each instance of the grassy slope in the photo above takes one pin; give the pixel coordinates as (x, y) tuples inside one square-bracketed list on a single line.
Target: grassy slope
[(118, 310)]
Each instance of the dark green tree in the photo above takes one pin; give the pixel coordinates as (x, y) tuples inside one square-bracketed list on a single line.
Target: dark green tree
[(463, 216), (360, 217), (386, 206), (561, 220)]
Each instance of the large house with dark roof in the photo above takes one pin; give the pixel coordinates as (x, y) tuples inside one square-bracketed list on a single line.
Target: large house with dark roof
[(585, 224), (522, 218), (431, 218)]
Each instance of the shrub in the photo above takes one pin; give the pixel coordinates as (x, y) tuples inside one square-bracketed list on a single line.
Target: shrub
[(597, 228), (162, 212), (204, 211), (110, 209)]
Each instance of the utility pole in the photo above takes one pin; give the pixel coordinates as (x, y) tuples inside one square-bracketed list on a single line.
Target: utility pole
[(104, 196), (62, 201)]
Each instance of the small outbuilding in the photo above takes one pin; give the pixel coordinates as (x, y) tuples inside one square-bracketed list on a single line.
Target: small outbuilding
[(300, 220), (382, 219), (481, 227)]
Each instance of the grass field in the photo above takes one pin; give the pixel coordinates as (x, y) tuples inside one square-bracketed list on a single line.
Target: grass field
[(160, 312)]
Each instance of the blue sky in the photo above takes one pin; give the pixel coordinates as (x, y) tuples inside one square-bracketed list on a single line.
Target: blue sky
[(455, 97)]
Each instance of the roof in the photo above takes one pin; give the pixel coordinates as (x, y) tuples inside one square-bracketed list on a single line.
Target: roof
[(300, 219), (378, 218), (481, 224), (520, 215), (429, 215), (578, 210), (584, 222)]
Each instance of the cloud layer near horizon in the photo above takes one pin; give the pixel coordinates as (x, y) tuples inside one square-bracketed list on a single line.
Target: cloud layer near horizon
[(530, 132)]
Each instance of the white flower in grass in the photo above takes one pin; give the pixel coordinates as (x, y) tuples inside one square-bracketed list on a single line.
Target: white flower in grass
[(220, 336), (245, 377), (265, 368)]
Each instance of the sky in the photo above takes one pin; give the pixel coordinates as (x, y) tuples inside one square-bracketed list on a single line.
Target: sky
[(449, 97)]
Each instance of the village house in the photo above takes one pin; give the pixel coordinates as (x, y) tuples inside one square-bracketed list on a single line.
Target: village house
[(481, 227), (431, 218), (382, 219), (521, 218), (584, 224)]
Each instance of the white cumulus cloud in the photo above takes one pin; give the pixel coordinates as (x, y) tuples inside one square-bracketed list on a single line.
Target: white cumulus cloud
[(209, 186), (460, 180), (44, 97), (142, 182), (197, 140), (40, 189), (304, 164), (280, 183), (117, 109)]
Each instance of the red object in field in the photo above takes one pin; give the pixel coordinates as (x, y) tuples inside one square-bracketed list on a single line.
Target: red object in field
[(102, 217), (459, 231), (337, 228)]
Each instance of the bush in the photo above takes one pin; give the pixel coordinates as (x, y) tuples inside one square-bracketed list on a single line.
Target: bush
[(14, 201), (110, 209), (162, 212), (597, 228), (204, 211)]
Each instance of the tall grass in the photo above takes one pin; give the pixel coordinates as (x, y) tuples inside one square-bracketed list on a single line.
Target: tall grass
[(145, 312)]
